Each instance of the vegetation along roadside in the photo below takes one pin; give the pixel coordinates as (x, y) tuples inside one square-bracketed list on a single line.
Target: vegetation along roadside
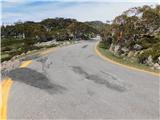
[(134, 38)]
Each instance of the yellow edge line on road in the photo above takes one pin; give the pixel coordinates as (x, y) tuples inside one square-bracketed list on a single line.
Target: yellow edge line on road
[(25, 63), (4, 97), (5, 86), (114, 62), (48, 51)]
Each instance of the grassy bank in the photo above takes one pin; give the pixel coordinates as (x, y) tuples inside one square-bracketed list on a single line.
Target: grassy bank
[(125, 61), (9, 52)]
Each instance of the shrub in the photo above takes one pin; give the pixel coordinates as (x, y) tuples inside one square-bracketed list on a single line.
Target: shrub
[(155, 53), (104, 45)]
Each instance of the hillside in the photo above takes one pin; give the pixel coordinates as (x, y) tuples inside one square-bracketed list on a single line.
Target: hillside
[(98, 25), (135, 35), (22, 37)]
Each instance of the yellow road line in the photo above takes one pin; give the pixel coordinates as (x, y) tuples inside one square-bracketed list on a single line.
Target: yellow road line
[(114, 62), (47, 51), (5, 88), (25, 63)]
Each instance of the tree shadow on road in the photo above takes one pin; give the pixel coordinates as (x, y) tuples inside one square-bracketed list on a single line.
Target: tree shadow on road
[(35, 79)]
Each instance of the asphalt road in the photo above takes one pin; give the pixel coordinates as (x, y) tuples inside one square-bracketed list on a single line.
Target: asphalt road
[(74, 83)]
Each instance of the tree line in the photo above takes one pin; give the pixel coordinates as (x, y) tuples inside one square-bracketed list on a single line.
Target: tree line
[(22, 36), (136, 31)]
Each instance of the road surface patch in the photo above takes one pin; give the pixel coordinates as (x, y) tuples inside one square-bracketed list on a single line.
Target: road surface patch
[(114, 62), (35, 79), (110, 81)]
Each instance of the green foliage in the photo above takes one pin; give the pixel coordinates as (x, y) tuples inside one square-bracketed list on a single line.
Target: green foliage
[(21, 37), (104, 45), (148, 42), (155, 53), (97, 25), (127, 30)]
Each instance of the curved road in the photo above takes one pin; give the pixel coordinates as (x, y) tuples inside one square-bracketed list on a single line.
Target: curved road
[(74, 83)]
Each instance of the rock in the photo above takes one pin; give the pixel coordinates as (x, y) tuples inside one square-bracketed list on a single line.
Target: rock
[(43, 44), (124, 58), (9, 65), (124, 49), (67, 43), (149, 61), (123, 55), (22, 54), (137, 47), (136, 53), (17, 56), (117, 48), (141, 52), (28, 52), (4, 62), (156, 66), (14, 57), (34, 50), (130, 54), (159, 60), (111, 48)]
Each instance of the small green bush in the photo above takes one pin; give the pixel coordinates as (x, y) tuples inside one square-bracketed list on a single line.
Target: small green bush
[(104, 45), (155, 53)]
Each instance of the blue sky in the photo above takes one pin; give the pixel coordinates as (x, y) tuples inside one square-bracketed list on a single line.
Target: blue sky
[(82, 10)]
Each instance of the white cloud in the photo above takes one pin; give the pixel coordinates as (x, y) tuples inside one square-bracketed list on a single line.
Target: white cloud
[(82, 11), (108, 0), (21, 1)]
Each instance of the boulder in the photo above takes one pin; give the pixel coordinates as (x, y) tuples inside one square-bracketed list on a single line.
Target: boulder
[(28, 52), (130, 54), (123, 55), (23, 54), (67, 43), (159, 60), (136, 53), (124, 49), (117, 49), (149, 61), (141, 52), (156, 66), (111, 48), (14, 57), (137, 47)]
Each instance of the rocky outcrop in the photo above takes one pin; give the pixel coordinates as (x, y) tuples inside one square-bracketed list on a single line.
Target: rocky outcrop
[(149, 61), (137, 47), (156, 66), (48, 43), (158, 61), (7, 66), (130, 54), (111, 48), (125, 50)]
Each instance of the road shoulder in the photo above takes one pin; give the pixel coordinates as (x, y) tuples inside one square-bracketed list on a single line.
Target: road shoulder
[(105, 57)]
